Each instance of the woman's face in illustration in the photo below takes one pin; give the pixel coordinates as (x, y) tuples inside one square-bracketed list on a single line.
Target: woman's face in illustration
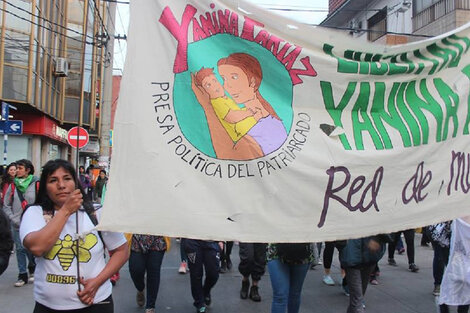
[(236, 83)]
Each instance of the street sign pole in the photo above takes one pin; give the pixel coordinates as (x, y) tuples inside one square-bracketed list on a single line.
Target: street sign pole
[(5, 114)]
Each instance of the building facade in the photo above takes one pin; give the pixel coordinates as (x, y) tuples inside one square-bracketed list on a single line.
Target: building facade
[(52, 57), (392, 21)]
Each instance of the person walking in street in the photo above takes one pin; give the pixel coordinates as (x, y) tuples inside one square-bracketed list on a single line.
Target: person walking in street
[(288, 265), (101, 181), (225, 260), (202, 255), (18, 195), (359, 258), (6, 242), (455, 287), (48, 230), (410, 249), (146, 258), (85, 181), (8, 178), (252, 263), (328, 260), (184, 258), (440, 235)]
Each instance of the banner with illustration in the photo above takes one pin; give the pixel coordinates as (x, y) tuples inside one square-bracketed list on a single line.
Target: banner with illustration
[(235, 123)]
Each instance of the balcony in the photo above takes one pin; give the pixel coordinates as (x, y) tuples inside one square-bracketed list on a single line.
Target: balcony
[(438, 10)]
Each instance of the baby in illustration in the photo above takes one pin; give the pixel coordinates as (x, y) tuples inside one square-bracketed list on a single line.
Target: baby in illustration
[(236, 121)]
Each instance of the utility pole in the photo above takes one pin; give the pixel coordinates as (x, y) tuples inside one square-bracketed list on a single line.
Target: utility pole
[(105, 110)]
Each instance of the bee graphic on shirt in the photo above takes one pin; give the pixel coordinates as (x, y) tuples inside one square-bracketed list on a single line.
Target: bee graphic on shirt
[(66, 250)]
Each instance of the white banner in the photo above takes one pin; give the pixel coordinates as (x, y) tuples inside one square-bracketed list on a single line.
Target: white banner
[(237, 124)]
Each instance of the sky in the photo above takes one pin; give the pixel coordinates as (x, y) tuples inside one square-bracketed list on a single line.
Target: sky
[(303, 11)]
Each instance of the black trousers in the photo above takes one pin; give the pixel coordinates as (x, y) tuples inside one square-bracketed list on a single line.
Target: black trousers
[(328, 253), (4, 259), (410, 244), (225, 254), (202, 256), (252, 260), (443, 308), (105, 306)]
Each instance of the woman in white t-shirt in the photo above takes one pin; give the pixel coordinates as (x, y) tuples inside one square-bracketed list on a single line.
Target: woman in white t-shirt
[(48, 230)]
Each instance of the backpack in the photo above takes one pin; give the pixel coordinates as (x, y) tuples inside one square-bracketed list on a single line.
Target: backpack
[(293, 253), (24, 203)]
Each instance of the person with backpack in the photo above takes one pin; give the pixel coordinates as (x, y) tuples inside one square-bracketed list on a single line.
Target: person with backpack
[(21, 193), (288, 264), (48, 230), (359, 258)]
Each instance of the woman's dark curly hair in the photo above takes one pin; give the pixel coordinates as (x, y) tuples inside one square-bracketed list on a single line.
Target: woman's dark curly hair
[(6, 178), (49, 168)]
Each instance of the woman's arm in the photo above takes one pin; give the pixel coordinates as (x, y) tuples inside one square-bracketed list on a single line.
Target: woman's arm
[(41, 241), (244, 149), (118, 257)]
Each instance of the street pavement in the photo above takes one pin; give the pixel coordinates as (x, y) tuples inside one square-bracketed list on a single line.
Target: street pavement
[(399, 291)]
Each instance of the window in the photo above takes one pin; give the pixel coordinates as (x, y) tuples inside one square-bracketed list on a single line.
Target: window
[(71, 109), (15, 83), (377, 25), (21, 23), (421, 5), (16, 48)]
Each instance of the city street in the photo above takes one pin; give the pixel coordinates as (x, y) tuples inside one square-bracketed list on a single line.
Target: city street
[(399, 291)]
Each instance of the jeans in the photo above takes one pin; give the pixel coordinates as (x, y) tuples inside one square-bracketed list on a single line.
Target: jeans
[(286, 281), (439, 262), (149, 262), (22, 254), (202, 255), (252, 260), (358, 279)]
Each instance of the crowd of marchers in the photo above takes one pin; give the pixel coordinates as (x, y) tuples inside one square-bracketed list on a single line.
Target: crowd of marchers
[(39, 217)]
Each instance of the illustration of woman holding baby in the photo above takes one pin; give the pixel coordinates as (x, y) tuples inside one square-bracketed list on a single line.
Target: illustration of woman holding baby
[(238, 134)]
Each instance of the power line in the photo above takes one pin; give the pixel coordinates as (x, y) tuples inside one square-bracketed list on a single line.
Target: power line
[(47, 20), (123, 27), (114, 27), (27, 50), (49, 29), (102, 23)]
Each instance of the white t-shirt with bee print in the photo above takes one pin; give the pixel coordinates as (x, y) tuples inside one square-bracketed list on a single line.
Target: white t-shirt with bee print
[(55, 277)]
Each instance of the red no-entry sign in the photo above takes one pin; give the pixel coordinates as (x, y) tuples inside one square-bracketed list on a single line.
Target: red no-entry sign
[(78, 138)]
